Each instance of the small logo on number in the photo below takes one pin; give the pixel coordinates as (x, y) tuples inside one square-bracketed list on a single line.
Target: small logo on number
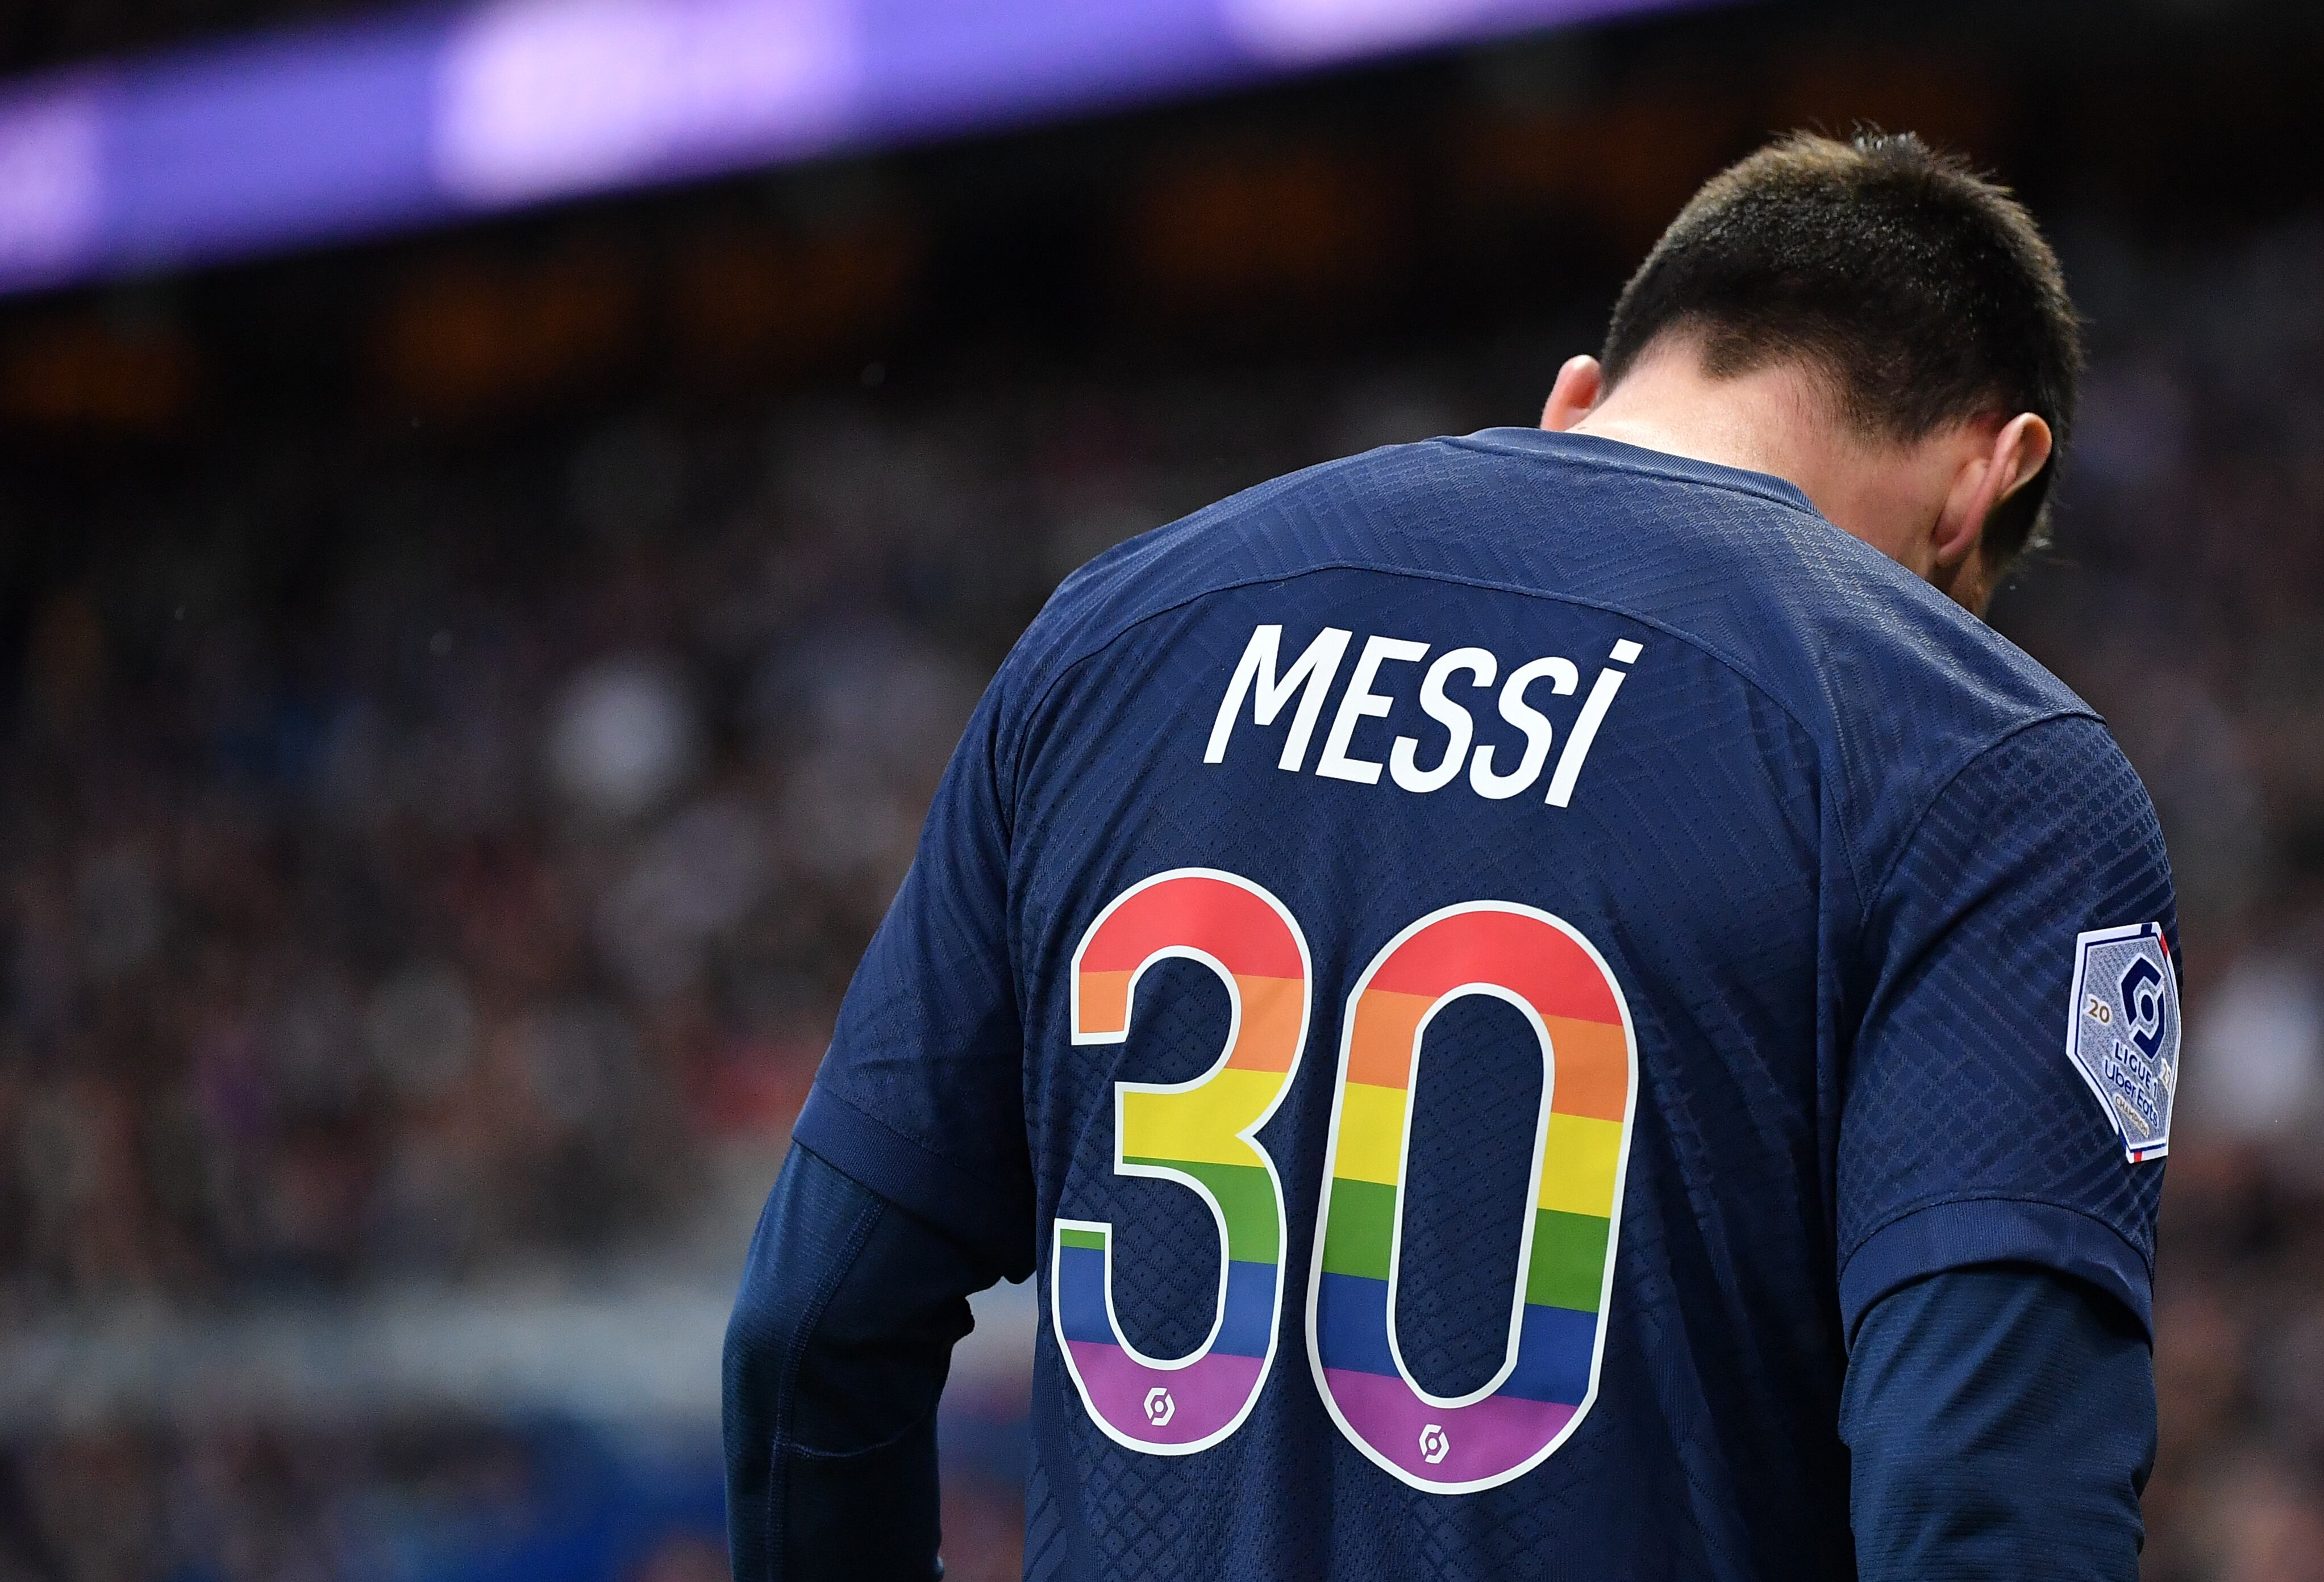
[(1435, 1446), (1159, 1408)]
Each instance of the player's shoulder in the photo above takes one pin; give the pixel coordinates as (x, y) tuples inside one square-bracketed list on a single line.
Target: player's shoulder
[(1741, 564), (1477, 510), (1901, 689), (1899, 686), (1241, 539)]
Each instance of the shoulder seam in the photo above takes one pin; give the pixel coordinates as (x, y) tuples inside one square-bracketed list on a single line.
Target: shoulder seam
[(1913, 829), (1668, 475), (1869, 895), (1953, 1199), (1707, 650)]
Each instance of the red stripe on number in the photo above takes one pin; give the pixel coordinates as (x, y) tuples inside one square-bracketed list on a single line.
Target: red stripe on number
[(1524, 954), (1225, 920)]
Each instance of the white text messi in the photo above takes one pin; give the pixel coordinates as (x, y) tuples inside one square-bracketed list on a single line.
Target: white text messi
[(1260, 680)]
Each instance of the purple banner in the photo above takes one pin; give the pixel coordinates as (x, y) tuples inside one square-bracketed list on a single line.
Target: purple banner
[(299, 137)]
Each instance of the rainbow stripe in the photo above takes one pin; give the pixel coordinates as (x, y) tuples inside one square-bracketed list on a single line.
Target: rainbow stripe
[(1549, 1376), (1199, 1135)]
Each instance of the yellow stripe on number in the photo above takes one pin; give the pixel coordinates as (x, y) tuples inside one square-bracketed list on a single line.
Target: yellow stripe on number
[(1579, 1164), (1198, 1125), (1371, 1135)]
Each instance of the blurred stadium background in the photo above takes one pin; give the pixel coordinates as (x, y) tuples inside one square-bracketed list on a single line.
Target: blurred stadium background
[(470, 689)]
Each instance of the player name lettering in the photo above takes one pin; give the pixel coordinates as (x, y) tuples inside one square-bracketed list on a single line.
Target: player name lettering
[(1263, 686)]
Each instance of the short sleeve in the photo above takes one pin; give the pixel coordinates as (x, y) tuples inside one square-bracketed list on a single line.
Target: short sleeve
[(921, 1095), (1968, 1133)]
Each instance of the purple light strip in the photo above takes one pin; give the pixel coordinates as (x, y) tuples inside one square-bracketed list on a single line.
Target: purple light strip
[(300, 137)]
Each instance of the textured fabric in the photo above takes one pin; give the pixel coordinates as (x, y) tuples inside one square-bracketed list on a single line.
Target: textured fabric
[(835, 1356), (1958, 1094), (931, 1031), (1832, 840), (2002, 1423), (1954, 1235)]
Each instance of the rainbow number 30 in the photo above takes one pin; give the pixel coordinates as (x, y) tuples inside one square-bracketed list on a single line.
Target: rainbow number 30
[(1197, 1134), (1548, 1375), (1200, 1133)]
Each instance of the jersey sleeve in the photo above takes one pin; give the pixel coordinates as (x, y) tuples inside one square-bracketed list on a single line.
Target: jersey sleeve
[(2000, 1422), (1969, 1132), (921, 1094)]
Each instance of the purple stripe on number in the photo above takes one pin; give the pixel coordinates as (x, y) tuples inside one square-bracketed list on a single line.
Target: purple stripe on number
[(1445, 1444), (1195, 1402)]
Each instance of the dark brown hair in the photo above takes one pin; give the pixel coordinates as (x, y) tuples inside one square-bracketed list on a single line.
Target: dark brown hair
[(1922, 291)]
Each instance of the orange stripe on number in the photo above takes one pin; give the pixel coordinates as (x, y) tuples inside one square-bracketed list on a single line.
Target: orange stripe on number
[(1268, 1040), (1593, 1068), (1380, 1050), (1104, 1005)]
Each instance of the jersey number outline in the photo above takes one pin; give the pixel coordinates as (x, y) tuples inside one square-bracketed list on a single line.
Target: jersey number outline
[(1198, 1134), (1201, 1135), (1554, 977)]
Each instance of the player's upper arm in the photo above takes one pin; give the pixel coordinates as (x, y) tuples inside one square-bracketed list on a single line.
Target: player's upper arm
[(2010, 1086), (920, 1095), (2000, 1423)]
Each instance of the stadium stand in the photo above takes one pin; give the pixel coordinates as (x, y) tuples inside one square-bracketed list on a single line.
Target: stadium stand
[(438, 829)]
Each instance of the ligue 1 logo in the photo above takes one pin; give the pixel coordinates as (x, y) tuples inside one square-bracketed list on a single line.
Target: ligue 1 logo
[(2122, 1032)]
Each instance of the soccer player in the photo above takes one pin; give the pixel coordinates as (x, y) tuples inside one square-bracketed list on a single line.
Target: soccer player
[(1548, 1004)]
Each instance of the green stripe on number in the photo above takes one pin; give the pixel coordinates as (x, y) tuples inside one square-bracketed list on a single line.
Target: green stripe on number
[(1569, 1261), (1362, 1230), (1244, 1193)]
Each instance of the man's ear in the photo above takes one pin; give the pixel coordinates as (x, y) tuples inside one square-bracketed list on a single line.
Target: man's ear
[(1580, 383), (2020, 448)]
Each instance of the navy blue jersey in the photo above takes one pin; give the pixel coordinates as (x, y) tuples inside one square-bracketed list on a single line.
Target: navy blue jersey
[(1463, 972)]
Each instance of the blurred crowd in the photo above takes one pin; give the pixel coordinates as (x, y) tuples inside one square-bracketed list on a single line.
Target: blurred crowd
[(2187, 602), (418, 861), (408, 867)]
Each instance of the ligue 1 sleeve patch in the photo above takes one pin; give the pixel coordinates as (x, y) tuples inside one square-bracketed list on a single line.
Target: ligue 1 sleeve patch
[(2122, 1032)]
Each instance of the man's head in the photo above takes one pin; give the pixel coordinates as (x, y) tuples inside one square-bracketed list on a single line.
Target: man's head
[(1897, 312)]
